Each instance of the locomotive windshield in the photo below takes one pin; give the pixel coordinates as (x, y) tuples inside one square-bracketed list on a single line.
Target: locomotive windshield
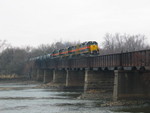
[(94, 43)]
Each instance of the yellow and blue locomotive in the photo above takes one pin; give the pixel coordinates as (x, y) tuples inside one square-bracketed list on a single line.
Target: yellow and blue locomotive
[(85, 48), (90, 47)]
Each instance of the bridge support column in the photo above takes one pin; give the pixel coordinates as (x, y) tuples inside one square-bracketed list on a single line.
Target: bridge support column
[(59, 76), (99, 81), (75, 79), (34, 74), (40, 75), (48, 75), (130, 85)]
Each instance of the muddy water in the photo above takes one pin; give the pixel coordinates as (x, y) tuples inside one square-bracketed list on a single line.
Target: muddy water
[(27, 99)]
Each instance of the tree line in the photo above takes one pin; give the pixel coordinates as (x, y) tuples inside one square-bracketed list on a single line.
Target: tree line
[(13, 59), (124, 43)]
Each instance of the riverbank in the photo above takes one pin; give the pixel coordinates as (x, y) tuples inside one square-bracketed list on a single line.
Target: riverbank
[(18, 80)]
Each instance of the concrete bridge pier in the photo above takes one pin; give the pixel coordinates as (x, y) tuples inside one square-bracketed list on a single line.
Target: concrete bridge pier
[(40, 75), (48, 75), (131, 85), (59, 76), (75, 79), (99, 81), (34, 74)]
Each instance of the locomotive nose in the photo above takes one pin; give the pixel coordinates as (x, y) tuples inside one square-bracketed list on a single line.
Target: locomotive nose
[(94, 46)]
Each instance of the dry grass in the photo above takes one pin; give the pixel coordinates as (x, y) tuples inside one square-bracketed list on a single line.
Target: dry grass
[(9, 76), (96, 91)]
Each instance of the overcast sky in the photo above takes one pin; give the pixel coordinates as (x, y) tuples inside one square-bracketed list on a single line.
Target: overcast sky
[(33, 22)]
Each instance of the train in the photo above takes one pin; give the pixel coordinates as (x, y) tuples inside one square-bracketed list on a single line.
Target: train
[(84, 49)]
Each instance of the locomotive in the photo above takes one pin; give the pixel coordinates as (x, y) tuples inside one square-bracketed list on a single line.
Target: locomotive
[(86, 48)]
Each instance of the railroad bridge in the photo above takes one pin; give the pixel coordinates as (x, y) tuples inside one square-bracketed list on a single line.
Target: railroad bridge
[(120, 75)]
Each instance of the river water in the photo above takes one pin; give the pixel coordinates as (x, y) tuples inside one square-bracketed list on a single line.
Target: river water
[(26, 99)]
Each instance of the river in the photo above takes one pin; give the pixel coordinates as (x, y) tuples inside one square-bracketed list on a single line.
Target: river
[(19, 98)]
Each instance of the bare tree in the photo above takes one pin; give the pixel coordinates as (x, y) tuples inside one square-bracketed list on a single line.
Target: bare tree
[(12, 61), (49, 48), (123, 43), (4, 45)]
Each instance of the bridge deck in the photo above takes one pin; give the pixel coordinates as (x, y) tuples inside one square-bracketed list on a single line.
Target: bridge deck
[(136, 59)]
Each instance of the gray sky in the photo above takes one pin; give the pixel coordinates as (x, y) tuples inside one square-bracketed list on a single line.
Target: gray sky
[(33, 22)]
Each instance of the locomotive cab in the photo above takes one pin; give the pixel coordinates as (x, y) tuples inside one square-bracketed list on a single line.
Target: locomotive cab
[(93, 45)]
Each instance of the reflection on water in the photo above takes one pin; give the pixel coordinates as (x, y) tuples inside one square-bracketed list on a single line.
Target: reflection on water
[(26, 99)]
